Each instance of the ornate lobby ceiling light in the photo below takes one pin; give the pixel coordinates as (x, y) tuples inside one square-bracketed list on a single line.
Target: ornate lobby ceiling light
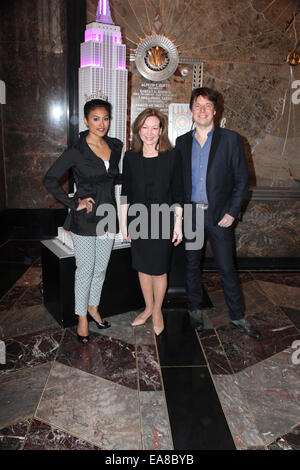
[(156, 57)]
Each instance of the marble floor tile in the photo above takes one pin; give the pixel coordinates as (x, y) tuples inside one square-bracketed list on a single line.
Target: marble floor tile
[(218, 315), (30, 350), (17, 322), (13, 437), (255, 301), (245, 277), (242, 351), (42, 436), (120, 329), (15, 258), (12, 296), (212, 281), (20, 393), (156, 433), (144, 334), (148, 368), (32, 296), (102, 356), (288, 279), (290, 441), (282, 295), (31, 277), (196, 417), (9, 274), (178, 345), (238, 414), (93, 399), (215, 354), (101, 412), (272, 388), (293, 314), (280, 444), (20, 251)]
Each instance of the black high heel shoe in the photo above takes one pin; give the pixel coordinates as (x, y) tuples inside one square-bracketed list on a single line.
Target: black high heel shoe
[(83, 339), (101, 326)]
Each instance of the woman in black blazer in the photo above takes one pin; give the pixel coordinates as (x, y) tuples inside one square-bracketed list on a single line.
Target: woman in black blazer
[(151, 177), (94, 160)]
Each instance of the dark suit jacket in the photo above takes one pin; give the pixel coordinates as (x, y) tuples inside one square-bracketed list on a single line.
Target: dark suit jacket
[(227, 172), (167, 182), (92, 180)]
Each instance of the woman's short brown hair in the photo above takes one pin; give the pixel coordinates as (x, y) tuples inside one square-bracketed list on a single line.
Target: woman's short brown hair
[(163, 143)]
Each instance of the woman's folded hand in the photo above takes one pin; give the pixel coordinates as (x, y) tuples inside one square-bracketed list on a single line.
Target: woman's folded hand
[(86, 203)]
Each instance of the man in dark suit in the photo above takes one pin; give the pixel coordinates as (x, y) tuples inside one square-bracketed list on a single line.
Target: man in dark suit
[(215, 178)]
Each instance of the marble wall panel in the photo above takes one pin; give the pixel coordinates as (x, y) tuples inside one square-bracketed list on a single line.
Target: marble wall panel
[(2, 167), (244, 45), (257, 104), (33, 48), (269, 229)]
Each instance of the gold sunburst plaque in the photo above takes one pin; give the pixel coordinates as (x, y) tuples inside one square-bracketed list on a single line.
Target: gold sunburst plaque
[(156, 58)]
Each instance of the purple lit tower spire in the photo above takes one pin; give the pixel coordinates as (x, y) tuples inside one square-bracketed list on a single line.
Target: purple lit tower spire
[(103, 69), (103, 12)]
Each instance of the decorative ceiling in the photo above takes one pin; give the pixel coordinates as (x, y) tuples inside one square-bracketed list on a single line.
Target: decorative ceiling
[(261, 31)]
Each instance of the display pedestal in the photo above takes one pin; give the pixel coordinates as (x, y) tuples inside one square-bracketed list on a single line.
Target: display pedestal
[(121, 290)]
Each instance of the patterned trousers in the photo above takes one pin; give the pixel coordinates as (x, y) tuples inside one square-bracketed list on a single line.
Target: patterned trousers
[(91, 256)]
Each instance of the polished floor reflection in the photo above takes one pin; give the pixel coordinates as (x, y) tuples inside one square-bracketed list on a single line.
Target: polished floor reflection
[(127, 389)]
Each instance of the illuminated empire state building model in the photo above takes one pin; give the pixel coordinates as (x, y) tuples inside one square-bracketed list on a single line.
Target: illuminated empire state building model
[(103, 72), (103, 69)]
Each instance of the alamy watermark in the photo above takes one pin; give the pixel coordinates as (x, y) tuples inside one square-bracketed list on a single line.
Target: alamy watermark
[(296, 354), (2, 352), (296, 93), (160, 216)]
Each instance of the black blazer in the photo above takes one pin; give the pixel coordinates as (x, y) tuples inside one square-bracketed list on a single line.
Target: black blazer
[(227, 172), (168, 179), (92, 180)]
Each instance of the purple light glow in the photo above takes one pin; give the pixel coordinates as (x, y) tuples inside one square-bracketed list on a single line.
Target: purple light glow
[(103, 12), (117, 39), (93, 35), (90, 63), (121, 66)]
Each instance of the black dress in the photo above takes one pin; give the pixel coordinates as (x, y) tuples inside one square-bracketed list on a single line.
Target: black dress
[(151, 181)]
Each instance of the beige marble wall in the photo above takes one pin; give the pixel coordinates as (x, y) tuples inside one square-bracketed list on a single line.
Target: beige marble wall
[(244, 44), (33, 49), (270, 228)]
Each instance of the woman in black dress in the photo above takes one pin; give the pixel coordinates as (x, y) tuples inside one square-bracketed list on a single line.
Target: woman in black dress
[(94, 161), (151, 177)]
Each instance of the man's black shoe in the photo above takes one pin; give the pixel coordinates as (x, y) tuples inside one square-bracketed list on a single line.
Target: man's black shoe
[(247, 328), (196, 317)]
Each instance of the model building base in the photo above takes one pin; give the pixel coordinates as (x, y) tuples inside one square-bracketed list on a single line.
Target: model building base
[(121, 290)]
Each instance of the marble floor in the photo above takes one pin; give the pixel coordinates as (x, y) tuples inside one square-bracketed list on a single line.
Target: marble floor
[(129, 390)]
